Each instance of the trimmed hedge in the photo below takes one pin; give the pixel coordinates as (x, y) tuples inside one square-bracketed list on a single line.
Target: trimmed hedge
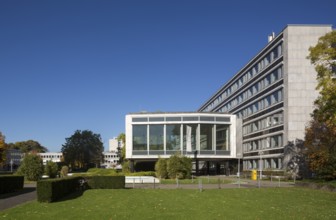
[(53, 189), (106, 182), (11, 183)]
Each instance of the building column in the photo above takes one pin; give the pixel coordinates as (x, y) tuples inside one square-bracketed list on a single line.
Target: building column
[(131, 166)]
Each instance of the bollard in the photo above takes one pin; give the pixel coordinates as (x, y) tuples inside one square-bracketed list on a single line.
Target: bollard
[(154, 182), (177, 183), (200, 186)]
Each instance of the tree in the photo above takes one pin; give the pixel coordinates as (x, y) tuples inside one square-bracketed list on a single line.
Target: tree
[(29, 146), (83, 149), (161, 168), (320, 135), (179, 167), (3, 149), (121, 150), (31, 167), (51, 169)]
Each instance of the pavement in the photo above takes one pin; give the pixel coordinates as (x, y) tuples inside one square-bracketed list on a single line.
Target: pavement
[(28, 193), (9, 200)]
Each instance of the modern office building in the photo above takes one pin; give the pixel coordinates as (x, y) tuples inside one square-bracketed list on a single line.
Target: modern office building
[(110, 159), (273, 94), (51, 156), (209, 138)]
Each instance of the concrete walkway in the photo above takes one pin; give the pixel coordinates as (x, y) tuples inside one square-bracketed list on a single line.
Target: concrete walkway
[(10, 200)]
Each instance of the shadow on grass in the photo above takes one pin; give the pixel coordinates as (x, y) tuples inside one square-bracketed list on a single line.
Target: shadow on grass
[(18, 193)]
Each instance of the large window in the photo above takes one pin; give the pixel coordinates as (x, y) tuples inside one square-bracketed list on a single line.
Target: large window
[(155, 137), (206, 137), (173, 137), (139, 137), (222, 137), (189, 137)]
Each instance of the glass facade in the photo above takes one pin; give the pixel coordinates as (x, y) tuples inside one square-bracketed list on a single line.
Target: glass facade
[(207, 135), (140, 137)]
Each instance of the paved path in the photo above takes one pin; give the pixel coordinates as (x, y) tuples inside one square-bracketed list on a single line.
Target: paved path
[(10, 200)]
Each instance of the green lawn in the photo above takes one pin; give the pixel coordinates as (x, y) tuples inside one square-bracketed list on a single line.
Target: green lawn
[(272, 203)]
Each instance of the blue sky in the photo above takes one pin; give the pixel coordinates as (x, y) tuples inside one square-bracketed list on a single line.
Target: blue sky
[(78, 64)]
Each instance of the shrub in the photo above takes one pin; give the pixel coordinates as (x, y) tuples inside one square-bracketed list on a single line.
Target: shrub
[(51, 169), (11, 183), (53, 189), (143, 173), (179, 167), (31, 167), (161, 168), (64, 171), (125, 166), (106, 182), (101, 172)]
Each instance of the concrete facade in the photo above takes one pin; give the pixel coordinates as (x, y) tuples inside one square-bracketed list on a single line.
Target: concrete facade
[(273, 94)]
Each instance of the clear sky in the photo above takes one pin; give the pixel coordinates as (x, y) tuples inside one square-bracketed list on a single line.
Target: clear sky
[(79, 64)]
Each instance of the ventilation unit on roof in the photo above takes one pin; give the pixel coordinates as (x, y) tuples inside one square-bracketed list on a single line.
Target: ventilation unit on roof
[(271, 37)]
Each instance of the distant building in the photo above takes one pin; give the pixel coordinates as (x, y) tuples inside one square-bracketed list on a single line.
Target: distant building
[(13, 159), (51, 156), (110, 159), (114, 144)]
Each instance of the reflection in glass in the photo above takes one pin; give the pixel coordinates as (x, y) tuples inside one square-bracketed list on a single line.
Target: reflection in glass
[(155, 137), (173, 137), (189, 137), (222, 137), (206, 137), (139, 137)]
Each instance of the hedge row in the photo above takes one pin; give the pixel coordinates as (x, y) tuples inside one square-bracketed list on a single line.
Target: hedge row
[(106, 182), (53, 189), (11, 183)]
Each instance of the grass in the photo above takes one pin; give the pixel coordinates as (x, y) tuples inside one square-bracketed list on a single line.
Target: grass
[(204, 180), (271, 203)]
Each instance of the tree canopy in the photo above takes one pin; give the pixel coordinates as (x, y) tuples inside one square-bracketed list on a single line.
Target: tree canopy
[(83, 149), (29, 146), (320, 135), (2, 149)]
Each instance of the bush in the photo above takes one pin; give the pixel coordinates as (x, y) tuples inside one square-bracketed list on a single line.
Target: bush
[(51, 169), (11, 183), (31, 167), (101, 172), (53, 189), (161, 168), (179, 167), (64, 171), (106, 182), (125, 166), (144, 173)]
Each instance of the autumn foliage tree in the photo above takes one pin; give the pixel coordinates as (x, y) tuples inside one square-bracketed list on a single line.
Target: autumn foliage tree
[(320, 136)]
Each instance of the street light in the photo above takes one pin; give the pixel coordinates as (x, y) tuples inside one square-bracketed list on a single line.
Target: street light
[(239, 156), (11, 163), (260, 167)]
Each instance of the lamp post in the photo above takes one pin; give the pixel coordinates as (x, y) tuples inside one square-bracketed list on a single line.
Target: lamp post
[(11, 163), (260, 167), (239, 156)]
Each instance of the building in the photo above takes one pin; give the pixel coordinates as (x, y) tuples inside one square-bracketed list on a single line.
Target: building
[(209, 138), (51, 156), (13, 159), (273, 94), (110, 159), (114, 144)]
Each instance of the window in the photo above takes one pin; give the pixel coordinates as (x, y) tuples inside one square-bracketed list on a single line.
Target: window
[(139, 137), (189, 137), (173, 137), (155, 137), (222, 137), (206, 136)]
